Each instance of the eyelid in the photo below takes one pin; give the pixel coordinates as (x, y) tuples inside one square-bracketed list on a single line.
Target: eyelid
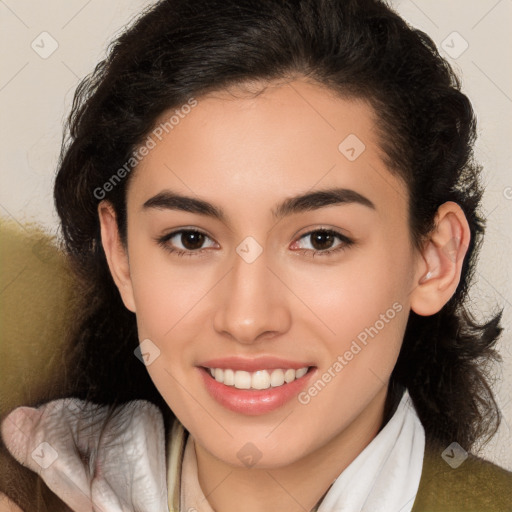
[(175, 231), (320, 227)]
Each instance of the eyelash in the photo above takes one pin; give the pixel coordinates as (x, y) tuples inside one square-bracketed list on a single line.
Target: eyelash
[(346, 243)]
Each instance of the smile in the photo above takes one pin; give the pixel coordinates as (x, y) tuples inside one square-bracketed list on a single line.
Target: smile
[(254, 391), (261, 379)]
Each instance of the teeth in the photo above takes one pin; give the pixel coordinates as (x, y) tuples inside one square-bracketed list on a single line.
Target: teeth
[(300, 372), (277, 378), (289, 376), (229, 377), (261, 379)]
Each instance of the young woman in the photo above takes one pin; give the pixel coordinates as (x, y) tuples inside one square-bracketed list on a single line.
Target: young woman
[(273, 208)]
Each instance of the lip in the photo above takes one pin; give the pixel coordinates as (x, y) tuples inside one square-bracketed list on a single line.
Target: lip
[(254, 364), (252, 402)]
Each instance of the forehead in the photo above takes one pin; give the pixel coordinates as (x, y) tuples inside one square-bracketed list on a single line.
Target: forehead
[(286, 139)]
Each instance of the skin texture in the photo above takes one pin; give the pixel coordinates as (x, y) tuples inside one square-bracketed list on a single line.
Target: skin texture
[(245, 154)]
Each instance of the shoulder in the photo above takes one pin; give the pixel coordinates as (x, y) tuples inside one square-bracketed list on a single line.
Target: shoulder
[(465, 484)]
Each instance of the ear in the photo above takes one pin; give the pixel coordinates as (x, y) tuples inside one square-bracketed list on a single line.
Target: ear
[(440, 264), (116, 253)]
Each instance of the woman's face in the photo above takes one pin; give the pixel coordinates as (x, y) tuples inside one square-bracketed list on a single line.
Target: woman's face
[(266, 234)]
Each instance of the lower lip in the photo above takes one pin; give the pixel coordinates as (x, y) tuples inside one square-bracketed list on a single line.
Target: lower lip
[(253, 402)]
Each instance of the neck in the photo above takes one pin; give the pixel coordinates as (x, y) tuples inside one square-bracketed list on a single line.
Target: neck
[(290, 487)]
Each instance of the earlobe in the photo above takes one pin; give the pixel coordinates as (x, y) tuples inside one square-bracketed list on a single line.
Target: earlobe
[(439, 271), (116, 253)]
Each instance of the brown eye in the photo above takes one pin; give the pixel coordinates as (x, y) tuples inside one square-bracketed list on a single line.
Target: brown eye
[(322, 240), (192, 240), (186, 241)]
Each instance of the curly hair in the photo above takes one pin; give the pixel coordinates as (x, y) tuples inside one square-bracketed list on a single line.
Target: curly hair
[(176, 50)]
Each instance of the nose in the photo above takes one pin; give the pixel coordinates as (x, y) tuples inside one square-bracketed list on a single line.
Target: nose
[(252, 302)]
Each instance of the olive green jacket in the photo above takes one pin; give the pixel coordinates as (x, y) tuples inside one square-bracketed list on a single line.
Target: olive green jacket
[(475, 486)]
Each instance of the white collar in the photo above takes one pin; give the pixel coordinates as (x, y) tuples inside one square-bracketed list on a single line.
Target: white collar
[(386, 474)]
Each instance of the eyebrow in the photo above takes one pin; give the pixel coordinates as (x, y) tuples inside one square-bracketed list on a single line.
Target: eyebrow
[(169, 200)]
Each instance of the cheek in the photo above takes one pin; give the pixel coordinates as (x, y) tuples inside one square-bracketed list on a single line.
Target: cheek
[(166, 301), (362, 307), (353, 294), (364, 313), (165, 294)]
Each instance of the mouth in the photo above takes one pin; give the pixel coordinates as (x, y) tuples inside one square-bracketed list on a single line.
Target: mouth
[(255, 392)]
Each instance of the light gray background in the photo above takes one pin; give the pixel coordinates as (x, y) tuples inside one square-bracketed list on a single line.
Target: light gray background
[(36, 93)]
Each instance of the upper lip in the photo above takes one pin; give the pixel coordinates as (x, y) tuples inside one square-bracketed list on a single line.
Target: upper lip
[(254, 364)]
